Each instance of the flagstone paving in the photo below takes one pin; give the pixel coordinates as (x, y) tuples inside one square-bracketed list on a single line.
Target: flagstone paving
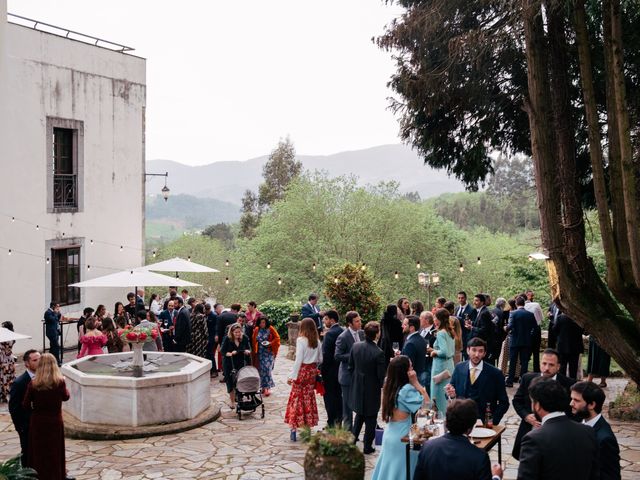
[(250, 449)]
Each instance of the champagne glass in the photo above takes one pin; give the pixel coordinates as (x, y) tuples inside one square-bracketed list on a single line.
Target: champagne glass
[(396, 347), (439, 421)]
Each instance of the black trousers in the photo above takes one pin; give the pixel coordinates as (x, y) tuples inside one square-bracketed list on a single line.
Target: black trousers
[(514, 352), (23, 433), (369, 429), (572, 361), (211, 354), (535, 349), (54, 342), (333, 401)]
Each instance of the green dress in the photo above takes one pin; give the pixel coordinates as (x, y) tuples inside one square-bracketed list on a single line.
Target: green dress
[(445, 348)]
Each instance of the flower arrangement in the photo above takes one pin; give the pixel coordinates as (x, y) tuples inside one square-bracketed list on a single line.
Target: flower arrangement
[(138, 334)]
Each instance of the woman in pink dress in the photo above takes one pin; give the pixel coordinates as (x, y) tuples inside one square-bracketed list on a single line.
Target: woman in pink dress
[(92, 341)]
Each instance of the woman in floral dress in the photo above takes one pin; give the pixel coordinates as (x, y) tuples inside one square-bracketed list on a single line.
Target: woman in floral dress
[(265, 343), (199, 332), (7, 365)]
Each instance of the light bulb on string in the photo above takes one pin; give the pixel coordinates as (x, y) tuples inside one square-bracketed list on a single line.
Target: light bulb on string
[(479, 262), (461, 268), (88, 267), (189, 258), (91, 242), (63, 234), (154, 253), (268, 265), (121, 248), (37, 227), (13, 219), (335, 280), (226, 280), (279, 281), (226, 263), (314, 267), (418, 264), (396, 275), (48, 260), (9, 252), (530, 258), (363, 267)]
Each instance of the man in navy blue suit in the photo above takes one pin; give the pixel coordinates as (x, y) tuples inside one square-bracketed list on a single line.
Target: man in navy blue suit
[(310, 310), (329, 369), (20, 415), (463, 312), (415, 347), (52, 319), (587, 400), (452, 456), (522, 327), (479, 381), (345, 341)]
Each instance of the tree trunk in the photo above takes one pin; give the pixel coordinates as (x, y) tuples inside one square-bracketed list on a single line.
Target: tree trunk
[(574, 281)]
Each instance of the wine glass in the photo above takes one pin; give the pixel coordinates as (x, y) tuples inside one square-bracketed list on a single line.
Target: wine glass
[(396, 347), (439, 421)]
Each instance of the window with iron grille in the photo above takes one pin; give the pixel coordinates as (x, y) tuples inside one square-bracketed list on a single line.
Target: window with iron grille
[(65, 184), (65, 270)]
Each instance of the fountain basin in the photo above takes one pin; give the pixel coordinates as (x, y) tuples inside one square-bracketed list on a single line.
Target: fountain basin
[(174, 388)]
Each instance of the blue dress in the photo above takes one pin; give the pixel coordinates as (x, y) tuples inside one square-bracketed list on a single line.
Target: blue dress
[(391, 463), (445, 346), (265, 360)]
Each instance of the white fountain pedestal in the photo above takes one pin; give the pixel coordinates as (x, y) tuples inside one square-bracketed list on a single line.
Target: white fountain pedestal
[(155, 398)]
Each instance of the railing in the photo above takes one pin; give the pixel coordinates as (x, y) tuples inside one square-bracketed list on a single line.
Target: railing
[(65, 191), (65, 32)]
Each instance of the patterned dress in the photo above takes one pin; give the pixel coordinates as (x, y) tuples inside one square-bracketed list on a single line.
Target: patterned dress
[(302, 409), (265, 360), (199, 336), (7, 370)]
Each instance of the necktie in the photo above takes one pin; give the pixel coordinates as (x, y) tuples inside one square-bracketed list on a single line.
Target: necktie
[(355, 337), (473, 375)]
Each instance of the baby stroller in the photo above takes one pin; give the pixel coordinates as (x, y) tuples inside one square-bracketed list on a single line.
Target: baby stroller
[(247, 387)]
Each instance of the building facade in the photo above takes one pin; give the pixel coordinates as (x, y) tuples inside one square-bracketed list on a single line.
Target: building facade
[(72, 123)]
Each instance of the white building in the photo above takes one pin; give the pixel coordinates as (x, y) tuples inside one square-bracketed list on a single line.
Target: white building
[(72, 124)]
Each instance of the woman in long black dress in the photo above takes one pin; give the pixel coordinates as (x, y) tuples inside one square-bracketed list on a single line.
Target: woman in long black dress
[(236, 353), (599, 362), (391, 332), (44, 397)]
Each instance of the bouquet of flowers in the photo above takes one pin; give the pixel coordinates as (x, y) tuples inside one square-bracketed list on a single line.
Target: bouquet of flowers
[(138, 334)]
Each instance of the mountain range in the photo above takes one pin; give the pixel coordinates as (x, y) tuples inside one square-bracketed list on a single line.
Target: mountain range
[(227, 181)]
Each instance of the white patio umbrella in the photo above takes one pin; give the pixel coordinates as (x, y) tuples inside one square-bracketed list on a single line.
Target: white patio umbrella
[(7, 335), (178, 264), (134, 278)]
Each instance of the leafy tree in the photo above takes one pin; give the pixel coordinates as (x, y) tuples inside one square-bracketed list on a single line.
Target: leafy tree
[(477, 76), (352, 287), (220, 231)]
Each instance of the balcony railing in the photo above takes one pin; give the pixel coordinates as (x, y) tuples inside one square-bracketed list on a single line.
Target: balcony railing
[(65, 192)]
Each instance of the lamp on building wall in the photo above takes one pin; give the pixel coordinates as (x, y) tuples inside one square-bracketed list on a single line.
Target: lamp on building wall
[(165, 190)]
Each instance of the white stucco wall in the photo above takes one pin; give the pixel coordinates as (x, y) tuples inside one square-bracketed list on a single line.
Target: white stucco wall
[(51, 76)]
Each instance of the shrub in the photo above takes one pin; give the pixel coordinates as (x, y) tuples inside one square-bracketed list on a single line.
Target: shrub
[(355, 289), (278, 313)]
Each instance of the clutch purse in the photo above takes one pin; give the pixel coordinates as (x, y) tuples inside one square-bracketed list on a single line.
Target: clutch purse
[(444, 375), (319, 386)]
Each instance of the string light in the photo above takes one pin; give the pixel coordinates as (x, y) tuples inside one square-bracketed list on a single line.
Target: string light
[(363, 267), (13, 219), (63, 234), (279, 281), (189, 258), (226, 263), (154, 253), (314, 266), (479, 262), (9, 252), (418, 264), (396, 275), (335, 280), (226, 280), (88, 267), (268, 265), (530, 258), (47, 260), (37, 227), (91, 242), (461, 268), (121, 248)]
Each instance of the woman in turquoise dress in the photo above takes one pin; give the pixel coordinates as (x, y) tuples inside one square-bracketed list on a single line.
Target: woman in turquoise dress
[(402, 396), (442, 352)]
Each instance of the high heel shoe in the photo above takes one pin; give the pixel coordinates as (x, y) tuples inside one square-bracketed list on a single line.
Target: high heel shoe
[(292, 436)]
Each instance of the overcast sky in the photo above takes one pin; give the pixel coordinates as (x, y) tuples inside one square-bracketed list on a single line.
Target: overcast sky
[(227, 80)]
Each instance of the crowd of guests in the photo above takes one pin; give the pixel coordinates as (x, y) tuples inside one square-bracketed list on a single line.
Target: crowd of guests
[(457, 361)]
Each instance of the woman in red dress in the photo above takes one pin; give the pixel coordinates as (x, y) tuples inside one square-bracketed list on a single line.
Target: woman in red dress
[(44, 397), (302, 409), (92, 341)]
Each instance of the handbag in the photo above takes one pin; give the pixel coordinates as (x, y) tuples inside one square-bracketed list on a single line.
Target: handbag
[(444, 375), (319, 386)]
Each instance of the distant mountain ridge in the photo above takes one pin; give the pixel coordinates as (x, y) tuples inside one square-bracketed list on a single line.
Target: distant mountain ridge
[(226, 181)]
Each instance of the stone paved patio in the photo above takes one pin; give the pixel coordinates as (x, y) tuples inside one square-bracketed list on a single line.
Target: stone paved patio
[(250, 449)]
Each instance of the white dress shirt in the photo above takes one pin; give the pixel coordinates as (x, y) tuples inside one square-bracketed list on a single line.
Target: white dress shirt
[(305, 354), (593, 421), (536, 309), (551, 415)]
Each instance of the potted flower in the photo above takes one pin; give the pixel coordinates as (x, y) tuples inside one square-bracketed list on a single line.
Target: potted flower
[(137, 337), (332, 455)]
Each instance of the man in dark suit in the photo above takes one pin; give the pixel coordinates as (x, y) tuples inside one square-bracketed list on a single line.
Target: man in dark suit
[(329, 369), (463, 312), (415, 347), (182, 333), (552, 315), (310, 310), (452, 456), (428, 332), (367, 366), (168, 319), (481, 325), (479, 381), (345, 341), (225, 319), (587, 400), (522, 326), (568, 343), (212, 326), (19, 415), (52, 319), (550, 366), (560, 448)]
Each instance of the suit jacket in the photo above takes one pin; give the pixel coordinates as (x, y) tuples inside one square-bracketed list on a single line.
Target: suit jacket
[(224, 320), (461, 312), (559, 449), (309, 311), (483, 326), (522, 326), (608, 449), (52, 319), (430, 339), (344, 343), (522, 405), (330, 366), (452, 457), (19, 415), (415, 347), (367, 366), (568, 335), (182, 333), (490, 389)]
